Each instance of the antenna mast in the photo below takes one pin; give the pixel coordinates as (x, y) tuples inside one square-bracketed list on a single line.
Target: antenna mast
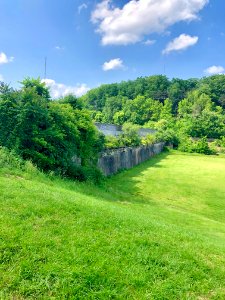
[(45, 67)]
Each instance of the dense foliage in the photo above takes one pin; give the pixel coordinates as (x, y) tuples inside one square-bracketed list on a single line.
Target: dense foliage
[(181, 110), (49, 133), (185, 113)]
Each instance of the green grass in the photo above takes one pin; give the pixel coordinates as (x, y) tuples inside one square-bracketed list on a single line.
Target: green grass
[(154, 232)]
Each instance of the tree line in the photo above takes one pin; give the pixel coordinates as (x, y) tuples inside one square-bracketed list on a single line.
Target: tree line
[(60, 134), (181, 110)]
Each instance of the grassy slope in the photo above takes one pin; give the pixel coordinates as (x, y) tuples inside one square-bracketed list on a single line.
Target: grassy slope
[(154, 232)]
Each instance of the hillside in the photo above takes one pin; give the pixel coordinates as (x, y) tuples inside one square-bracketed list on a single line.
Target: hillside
[(154, 232), (179, 109)]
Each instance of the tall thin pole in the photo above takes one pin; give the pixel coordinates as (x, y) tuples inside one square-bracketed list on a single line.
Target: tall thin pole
[(45, 68), (164, 66)]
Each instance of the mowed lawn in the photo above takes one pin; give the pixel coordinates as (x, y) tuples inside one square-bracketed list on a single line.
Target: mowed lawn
[(154, 232)]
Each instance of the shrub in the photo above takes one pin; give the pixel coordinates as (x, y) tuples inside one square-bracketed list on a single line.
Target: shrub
[(185, 144), (169, 136), (49, 133), (220, 142), (219, 145), (130, 135), (200, 146), (112, 142), (9, 159), (85, 173), (148, 140)]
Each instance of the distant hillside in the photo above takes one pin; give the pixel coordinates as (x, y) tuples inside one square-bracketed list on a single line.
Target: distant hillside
[(157, 87), (193, 107)]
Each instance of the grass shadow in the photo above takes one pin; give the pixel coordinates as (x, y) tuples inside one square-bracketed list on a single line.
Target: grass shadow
[(122, 187)]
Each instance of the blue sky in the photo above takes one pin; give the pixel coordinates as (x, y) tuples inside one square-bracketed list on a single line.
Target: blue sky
[(88, 43)]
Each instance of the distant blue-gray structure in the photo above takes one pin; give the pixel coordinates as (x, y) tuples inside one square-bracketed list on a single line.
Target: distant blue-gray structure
[(116, 130)]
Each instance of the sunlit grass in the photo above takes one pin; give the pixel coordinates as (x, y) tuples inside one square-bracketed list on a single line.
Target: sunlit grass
[(154, 232)]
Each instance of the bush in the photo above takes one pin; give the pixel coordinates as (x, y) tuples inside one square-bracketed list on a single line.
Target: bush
[(48, 133), (85, 173), (185, 144), (219, 145), (169, 136), (130, 135), (148, 140), (200, 146), (9, 159), (220, 142), (112, 142)]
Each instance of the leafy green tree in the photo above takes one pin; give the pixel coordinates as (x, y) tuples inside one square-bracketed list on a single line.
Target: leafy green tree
[(119, 118), (194, 104), (157, 87), (141, 110), (38, 86), (47, 132), (112, 106), (178, 90), (9, 108), (166, 110), (75, 102), (216, 88), (200, 117), (209, 124)]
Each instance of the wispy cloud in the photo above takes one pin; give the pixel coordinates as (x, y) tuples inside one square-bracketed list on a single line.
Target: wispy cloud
[(214, 70), (136, 19), (59, 48), (81, 7), (149, 42), (1, 77), (58, 90), (182, 42), (113, 64), (4, 59)]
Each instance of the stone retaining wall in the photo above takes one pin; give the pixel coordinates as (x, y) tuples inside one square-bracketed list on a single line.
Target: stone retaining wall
[(111, 161)]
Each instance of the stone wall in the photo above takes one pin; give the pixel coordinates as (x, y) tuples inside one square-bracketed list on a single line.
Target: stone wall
[(111, 161)]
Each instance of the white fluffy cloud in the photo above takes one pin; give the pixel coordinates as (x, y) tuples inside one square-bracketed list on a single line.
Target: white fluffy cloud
[(4, 59), (113, 64), (137, 18), (182, 42), (60, 90), (215, 70)]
